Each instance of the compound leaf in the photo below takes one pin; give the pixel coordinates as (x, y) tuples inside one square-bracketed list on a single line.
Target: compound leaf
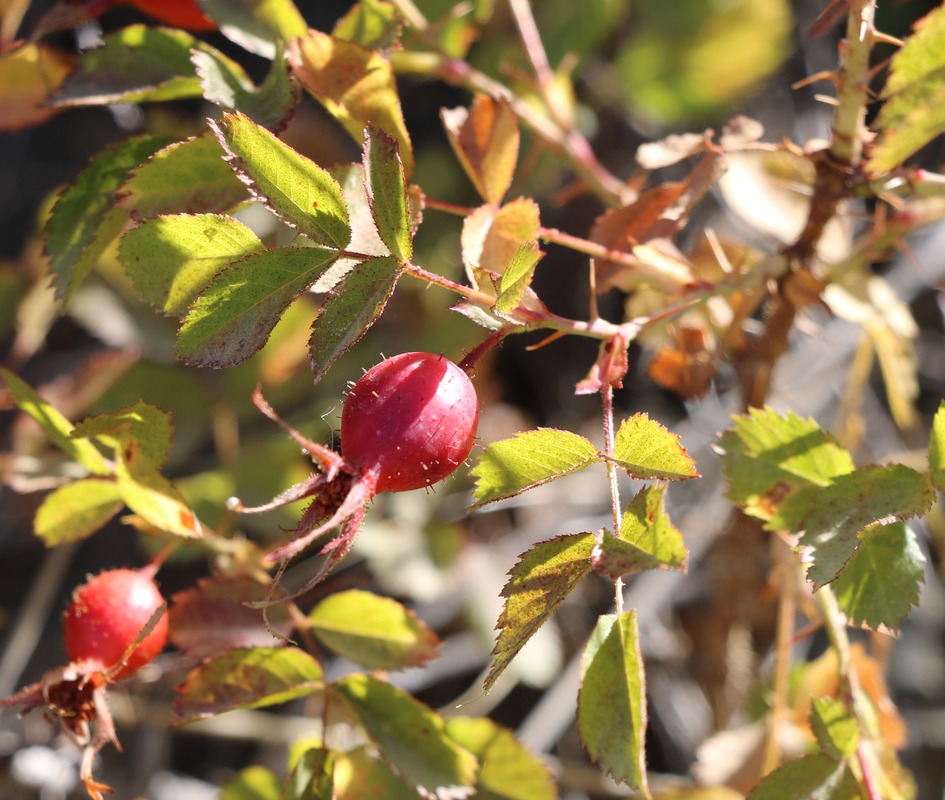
[(611, 700), (646, 450), (232, 319), (295, 188), (247, 678), (373, 631), (172, 259), (509, 467), (881, 581), (517, 277), (411, 737), (538, 584)]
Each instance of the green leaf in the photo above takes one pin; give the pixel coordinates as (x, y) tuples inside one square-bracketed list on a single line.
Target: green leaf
[(914, 112), (834, 726), (76, 510), (185, 177), (646, 450), (172, 259), (485, 139), (768, 456), (253, 783), (311, 777), (508, 467), (375, 632), (140, 434), (83, 222), (232, 319), (538, 584), (250, 678), (612, 700), (136, 64), (937, 450), (353, 305), (507, 770), (359, 775), (493, 236), (647, 538), (881, 582), (355, 84), (257, 25), (812, 777), (851, 503), (517, 277), (387, 192), (370, 23), (296, 189), (411, 738), (226, 83), (54, 424)]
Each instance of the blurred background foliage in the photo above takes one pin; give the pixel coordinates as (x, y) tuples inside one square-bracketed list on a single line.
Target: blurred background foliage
[(628, 72)]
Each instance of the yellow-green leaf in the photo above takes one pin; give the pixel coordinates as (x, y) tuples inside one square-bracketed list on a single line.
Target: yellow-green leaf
[(646, 450), (76, 510), (509, 467)]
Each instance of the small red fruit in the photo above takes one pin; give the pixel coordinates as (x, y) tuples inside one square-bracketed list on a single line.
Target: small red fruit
[(412, 419), (107, 615)]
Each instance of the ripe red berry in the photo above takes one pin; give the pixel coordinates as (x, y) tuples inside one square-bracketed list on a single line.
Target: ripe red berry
[(108, 613), (411, 419), (178, 13)]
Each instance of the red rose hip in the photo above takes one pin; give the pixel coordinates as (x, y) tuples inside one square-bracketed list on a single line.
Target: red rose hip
[(106, 616), (410, 419)]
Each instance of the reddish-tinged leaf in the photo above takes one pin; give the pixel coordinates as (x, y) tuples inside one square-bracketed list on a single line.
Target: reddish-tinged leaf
[(658, 213), (213, 617), (411, 738), (612, 700), (356, 85), (250, 678), (375, 632), (609, 369), (485, 139), (29, 75), (491, 237), (538, 584)]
